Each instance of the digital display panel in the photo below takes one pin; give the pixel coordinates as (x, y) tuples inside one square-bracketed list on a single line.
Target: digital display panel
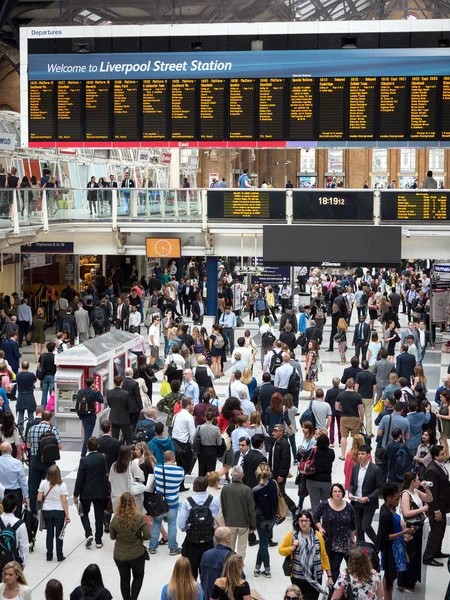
[(98, 111), (69, 98), (239, 110), (332, 205), (126, 109), (246, 204), (41, 119), (423, 205)]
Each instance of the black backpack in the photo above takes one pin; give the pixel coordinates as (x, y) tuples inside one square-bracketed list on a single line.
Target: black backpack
[(142, 433), (99, 316), (84, 405), (402, 464), (67, 325), (308, 415), (294, 384), (8, 543), (267, 339), (203, 379), (48, 450), (200, 523), (275, 362)]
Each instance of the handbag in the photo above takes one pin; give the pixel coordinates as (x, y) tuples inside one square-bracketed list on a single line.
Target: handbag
[(196, 444), (282, 509), (40, 373), (40, 508), (380, 453), (419, 519), (136, 486), (288, 564), (378, 406), (155, 503), (308, 466), (309, 386)]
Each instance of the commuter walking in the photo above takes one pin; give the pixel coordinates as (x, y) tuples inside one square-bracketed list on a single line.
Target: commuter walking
[(53, 495)]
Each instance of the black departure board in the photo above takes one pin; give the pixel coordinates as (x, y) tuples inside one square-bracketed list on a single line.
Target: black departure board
[(41, 116), (154, 109), (393, 98), (445, 114), (212, 109), (301, 105), (361, 108), (183, 109), (98, 110), (246, 204), (271, 109), (69, 99), (332, 106), (126, 96), (421, 205), (242, 109), (423, 108), (332, 205)]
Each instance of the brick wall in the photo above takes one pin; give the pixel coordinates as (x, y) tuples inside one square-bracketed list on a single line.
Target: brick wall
[(9, 87)]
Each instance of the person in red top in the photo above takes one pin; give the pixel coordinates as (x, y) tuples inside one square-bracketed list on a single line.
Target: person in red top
[(227, 423)]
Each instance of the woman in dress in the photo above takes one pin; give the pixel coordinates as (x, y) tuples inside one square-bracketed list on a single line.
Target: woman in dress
[(119, 474), (53, 493), (373, 310), (249, 343), (38, 333), (199, 346), (419, 378), (91, 585), (391, 538), (14, 586), (443, 416), (391, 338), (231, 584), (341, 338), (265, 495), (311, 367), (365, 582), (335, 519), (129, 529), (306, 547), (414, 509), (182, 586), (308, 442), (216, 353), (423, 456), (249, 381)]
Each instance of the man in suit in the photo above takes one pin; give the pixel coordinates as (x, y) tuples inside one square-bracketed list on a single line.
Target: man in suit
[(12, 353), (131, 386), (405, 364), (91, 487), (312, 333), (107, 444), (365, 487), (264, 392), (127, 182), (252, 459), (437, 473), (120, 403), (112, 183), (361, 337), (280, 461)]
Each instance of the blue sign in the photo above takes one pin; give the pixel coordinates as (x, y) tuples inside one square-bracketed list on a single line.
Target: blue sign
[(272, 275), (48, 248), (277, 63)]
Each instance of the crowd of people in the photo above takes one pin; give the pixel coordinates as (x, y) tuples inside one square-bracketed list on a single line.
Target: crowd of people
[(243, 446)]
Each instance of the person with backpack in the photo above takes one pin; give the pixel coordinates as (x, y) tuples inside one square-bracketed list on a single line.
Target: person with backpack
[(53, 495), (273, 360), (68, 324), (98, 319), (14, 542), (170, 402), (394, 467), (268, 338), (145, 426), (196, 518), (216, 349), (45, 442), (85, 408)]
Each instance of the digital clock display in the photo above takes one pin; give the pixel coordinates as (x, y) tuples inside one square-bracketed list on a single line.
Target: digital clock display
[(321, 205)]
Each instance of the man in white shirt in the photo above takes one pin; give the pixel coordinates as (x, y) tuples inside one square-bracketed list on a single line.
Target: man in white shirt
[(9, 520), (183, 431), (176, 358), (268, 359), (285, 296), (245, 353), (283, 374), (237, 386), (266, 345), (154, 336), (134, 320)]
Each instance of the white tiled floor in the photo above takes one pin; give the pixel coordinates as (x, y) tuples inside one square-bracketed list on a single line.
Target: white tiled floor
[(158, 570)]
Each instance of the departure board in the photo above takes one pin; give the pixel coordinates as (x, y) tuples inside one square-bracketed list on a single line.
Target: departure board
[(332, 106), (445, 115), (154, 109), (69, 98), (271, 109), (418, 205), (242, 109), (301, 105), (300, 109), (393, 97), (126, 109), (423, 108), (98, 111), (361, 118), (41, 119), (183, 109), (212, 109), (246, 204)]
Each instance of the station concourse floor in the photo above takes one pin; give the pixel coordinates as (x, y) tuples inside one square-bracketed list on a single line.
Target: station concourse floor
[(158, 570)]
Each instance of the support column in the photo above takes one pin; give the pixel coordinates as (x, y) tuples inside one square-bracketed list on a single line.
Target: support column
[(174, 172), (211, 286)]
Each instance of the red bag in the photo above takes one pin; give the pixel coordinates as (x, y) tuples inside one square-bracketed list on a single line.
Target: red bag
[(308, 466)]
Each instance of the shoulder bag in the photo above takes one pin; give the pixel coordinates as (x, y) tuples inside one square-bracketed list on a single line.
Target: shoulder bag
[(308, 465), (136, 486), (288, 563), (380, 453), (40, 508), (419, 519), (155, 503)]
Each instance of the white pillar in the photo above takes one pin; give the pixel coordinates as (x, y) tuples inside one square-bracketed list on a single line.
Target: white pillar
[(174, 173)]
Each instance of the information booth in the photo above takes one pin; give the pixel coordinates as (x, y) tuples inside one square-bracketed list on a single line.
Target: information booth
[(101, 358)]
